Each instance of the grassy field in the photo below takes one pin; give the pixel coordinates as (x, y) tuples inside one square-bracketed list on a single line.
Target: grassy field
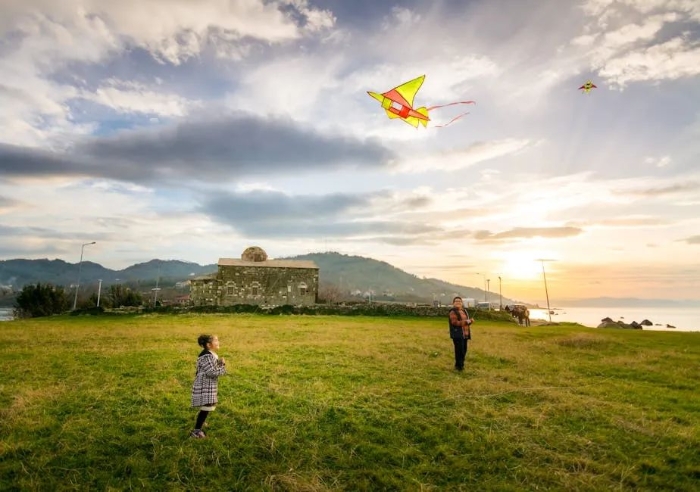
[(344, 403)]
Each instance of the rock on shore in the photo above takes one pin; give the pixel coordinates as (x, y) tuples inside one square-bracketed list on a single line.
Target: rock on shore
[(607, 323)]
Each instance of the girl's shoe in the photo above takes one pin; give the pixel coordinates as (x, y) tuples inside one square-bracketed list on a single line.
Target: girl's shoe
[(198, 434)]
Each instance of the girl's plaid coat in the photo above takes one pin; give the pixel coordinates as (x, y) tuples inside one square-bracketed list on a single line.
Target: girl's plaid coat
[(206, 380)]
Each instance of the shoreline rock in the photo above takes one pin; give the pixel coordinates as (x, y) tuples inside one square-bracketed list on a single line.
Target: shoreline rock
[(621, 325)]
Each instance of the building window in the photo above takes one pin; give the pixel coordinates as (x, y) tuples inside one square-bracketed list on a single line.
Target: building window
[(255, 289), (230, 288), (302, 289)]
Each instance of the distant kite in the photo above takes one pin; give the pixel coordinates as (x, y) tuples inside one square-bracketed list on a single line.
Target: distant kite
[(398, 103), (587, 87)]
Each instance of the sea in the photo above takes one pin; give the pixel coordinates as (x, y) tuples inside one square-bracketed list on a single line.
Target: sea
[(681, 318), (5, 314)]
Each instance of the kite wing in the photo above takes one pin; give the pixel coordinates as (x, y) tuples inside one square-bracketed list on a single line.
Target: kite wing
[(408, 90)]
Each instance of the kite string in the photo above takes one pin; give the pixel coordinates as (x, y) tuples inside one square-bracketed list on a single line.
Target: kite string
[(451, 121), (450, 104)]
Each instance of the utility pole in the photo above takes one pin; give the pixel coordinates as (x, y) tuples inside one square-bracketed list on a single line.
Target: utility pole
[(99, 291), (549, 311), (155, 291), (500, 294), (80, 266), (488, 289)]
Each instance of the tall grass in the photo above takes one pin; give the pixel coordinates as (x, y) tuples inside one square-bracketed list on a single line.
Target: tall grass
[(338, 403)]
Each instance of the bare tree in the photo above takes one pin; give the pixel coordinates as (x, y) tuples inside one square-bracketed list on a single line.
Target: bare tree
[(329, 294)]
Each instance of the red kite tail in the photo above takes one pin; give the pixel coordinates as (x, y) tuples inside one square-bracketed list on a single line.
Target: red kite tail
[(451, 121), (451, 104)]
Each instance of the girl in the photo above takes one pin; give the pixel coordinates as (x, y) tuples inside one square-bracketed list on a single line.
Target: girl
[(206, 381)]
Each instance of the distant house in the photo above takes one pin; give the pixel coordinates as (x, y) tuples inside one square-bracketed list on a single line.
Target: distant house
[(254, 279), (182, 300), (183, 285)]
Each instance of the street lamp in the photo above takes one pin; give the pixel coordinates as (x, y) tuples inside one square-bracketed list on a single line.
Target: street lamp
[(500, 294), (549, 311), (80, 265), (488, 289)]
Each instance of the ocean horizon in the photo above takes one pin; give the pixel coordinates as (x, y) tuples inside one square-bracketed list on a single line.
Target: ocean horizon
[(682, 318)]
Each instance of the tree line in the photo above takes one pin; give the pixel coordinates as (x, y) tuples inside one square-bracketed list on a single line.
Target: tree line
[(36, 300)]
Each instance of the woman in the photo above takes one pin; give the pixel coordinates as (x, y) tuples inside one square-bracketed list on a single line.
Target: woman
[(460, 331)]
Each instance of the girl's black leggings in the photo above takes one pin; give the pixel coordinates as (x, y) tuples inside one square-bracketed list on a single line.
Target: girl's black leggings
[(201, 417)]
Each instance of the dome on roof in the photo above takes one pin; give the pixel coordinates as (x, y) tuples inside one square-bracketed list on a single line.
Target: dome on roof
[(254, 253)]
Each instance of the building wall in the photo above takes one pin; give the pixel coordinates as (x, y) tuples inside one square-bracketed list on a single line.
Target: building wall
[(204, 292), (257, 285)]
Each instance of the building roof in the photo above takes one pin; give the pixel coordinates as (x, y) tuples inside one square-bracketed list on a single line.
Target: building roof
[(208, 276), (268, 263)]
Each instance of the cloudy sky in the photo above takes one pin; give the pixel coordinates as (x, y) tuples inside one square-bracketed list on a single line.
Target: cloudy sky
[(176, 129)]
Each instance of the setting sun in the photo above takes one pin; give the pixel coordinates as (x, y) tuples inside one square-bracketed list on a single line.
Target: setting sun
[(521, 265)]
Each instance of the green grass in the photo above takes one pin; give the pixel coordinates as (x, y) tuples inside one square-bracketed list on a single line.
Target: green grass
[(342, 403)]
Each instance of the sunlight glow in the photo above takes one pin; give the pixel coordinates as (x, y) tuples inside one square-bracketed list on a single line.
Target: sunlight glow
[(521, 265)]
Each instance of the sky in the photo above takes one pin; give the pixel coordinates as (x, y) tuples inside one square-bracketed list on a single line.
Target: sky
[(175, 129)]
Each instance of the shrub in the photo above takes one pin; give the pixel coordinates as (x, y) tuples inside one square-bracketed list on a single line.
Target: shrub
[(41, 300)]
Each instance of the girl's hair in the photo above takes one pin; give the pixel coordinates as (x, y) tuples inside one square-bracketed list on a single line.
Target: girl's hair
[(453, 300), (203, 340)]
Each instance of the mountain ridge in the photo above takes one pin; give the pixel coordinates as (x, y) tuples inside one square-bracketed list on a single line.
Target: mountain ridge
[(348, 272)]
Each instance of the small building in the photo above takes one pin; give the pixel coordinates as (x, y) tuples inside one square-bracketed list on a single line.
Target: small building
[(253, 279)]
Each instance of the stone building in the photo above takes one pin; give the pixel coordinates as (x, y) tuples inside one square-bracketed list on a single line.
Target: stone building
[(254, 279)]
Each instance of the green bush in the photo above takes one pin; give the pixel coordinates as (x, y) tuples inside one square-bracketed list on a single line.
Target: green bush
[(41, 300)]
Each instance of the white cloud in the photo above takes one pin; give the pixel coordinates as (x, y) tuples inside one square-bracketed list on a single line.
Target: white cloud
[(174, 30), (255, 186), (401, 18), (462, 158), (284, 86), (133, 97), (623, 40), (663, 161), (46, 36), (673, 59)]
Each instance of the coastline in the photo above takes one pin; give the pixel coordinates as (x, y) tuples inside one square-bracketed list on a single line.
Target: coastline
[(680, 319)]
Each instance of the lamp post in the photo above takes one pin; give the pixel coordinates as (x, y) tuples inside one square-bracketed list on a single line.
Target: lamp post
[(549, 311), (500, 294), (80, 265)]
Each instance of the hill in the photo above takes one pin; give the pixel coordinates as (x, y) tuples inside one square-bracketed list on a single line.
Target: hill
[(18, 273), (357, 273), (349, 273)]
